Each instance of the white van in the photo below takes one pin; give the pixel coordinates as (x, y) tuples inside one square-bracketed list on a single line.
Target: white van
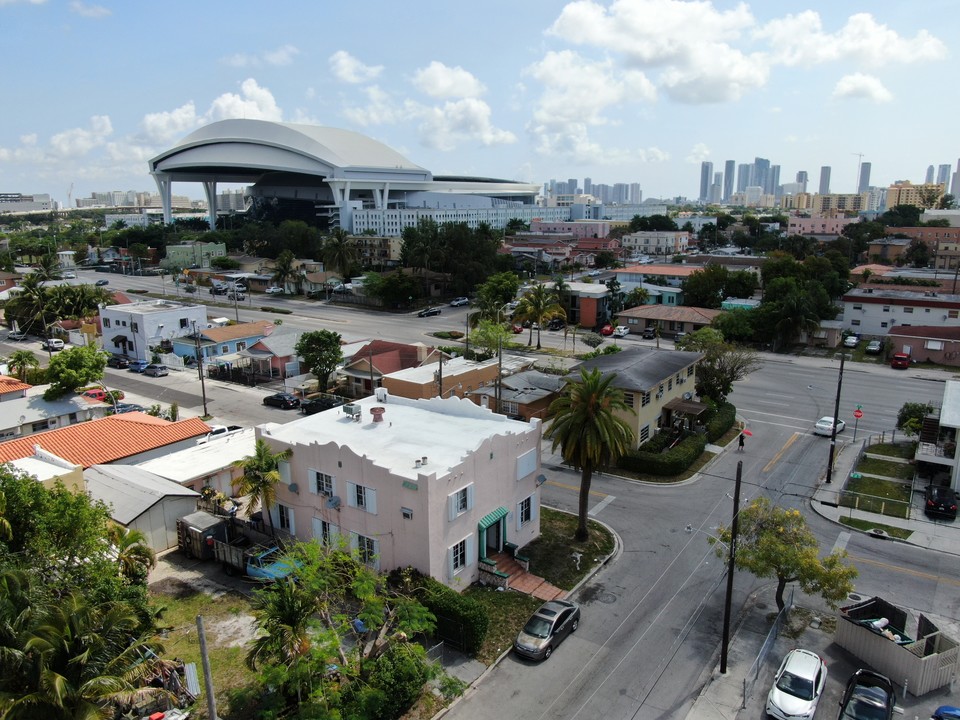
[(54, 344)]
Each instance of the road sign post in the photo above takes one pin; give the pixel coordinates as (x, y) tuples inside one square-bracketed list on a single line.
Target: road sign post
[(857, 414)]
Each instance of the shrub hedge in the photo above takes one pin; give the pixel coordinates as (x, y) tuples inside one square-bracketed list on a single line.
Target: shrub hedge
[(723, 419), (671, 462), (460, 620)]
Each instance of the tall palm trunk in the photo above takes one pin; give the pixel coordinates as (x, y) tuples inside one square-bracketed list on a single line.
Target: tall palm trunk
[(586, 477)]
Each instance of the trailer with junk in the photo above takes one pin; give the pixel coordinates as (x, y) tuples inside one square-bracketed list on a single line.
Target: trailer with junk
[(876, 632), (237, 545)]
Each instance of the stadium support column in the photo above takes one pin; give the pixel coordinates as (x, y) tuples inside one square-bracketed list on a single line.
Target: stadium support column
[(164, 187), (210, 190)]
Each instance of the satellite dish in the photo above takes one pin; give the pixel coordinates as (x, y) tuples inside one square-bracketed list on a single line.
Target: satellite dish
[(687, 395), (333, 502)]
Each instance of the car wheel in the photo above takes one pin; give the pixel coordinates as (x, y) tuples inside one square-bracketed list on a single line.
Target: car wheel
[(548, 652), (574, 625)]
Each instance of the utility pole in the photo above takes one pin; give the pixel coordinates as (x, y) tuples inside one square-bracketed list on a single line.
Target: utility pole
[(730, 568), (836, 421), (203, 387), (207, 674)]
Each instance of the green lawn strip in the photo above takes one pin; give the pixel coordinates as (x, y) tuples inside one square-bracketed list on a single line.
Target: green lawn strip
[(879, 496), (227, 654), (704, 458), (859, 524), (551, 554), (899, 450), (886, 468), (508, 611)]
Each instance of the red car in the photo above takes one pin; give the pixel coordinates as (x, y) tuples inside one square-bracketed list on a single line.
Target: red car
[(607, 329), (517, 329), (900, 360)]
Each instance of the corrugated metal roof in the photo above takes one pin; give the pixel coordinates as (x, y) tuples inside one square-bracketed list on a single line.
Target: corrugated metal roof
[(640, 369), (130, 491)]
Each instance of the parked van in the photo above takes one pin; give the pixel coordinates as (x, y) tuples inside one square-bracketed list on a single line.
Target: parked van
[(54, 344)]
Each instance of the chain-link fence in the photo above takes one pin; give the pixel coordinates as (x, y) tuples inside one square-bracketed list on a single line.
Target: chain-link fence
[(750, 679)]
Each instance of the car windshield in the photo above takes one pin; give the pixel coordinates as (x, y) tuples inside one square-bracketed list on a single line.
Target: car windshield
[(859, 709), (797, 686), (538, 627)]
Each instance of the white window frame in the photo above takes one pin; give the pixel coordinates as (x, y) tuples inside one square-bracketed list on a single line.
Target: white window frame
[(285, 519), (362, 497), (367, 549), (325, 531), (461, 555), (460, 502), (322, 484)]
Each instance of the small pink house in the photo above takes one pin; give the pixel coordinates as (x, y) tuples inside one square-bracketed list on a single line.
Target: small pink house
[(442, 485)]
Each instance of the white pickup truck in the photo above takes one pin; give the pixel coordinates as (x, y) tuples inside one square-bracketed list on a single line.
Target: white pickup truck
[(219, 431)]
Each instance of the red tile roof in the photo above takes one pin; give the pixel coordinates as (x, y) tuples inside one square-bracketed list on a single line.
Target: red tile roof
[(105, 440), (10, 384)]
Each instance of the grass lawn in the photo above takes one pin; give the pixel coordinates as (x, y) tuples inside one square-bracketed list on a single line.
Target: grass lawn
[(900, 450), (508, 611), (878, 496), (859, 524), (227, 622), (551, 554), (887, 468)]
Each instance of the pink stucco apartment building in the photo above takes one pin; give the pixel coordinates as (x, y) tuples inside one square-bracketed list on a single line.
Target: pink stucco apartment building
[(437, 484)]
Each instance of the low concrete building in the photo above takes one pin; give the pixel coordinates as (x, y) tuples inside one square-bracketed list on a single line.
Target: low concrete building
[(457, 376), (132, 329), (32, 414), (874, 312), (668, 320), (206, 464), (441, 485)]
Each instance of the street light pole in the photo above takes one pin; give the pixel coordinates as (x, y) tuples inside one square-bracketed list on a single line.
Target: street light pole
[(836, 421), (203, 387)]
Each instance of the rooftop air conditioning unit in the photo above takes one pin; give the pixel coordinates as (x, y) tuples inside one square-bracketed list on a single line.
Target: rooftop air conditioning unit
[(352, 409)]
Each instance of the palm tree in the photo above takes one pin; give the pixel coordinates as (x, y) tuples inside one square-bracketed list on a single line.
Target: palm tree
[(284, 612), (23, 361), (260, 478), (638, 296), (283, 270), (796, 315), (538, 306), (135, 557), (340, 251), (82, 660), (585, 424), (6, 532)]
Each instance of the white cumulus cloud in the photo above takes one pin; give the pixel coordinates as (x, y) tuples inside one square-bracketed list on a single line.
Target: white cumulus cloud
[(380, 109), (252, 103), (441, 81), (80, 141), (466, 120), (162, 127), (346, 68), (698, 153), (862, 87)]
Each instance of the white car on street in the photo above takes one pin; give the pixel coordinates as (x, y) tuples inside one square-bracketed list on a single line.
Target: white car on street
[(824, 427), (621, 331), (274, 290), (797, 686)]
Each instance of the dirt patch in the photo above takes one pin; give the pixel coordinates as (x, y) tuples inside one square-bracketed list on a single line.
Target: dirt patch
[(236, 631), (173, 588)]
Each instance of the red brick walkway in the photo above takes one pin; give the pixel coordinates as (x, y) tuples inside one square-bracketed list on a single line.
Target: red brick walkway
[(527, 583)]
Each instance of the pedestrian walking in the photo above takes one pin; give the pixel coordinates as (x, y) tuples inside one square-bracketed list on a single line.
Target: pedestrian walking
[(742, 439)]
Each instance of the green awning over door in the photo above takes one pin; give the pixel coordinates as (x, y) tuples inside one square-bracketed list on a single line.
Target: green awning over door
[(491, 518)]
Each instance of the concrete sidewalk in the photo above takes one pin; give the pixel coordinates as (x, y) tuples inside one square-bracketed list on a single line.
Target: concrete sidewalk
[(722, 695)]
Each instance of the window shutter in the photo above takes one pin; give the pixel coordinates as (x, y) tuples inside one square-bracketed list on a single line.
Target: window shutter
[(283, 467), (471, 550), (470, 496), (371, 501), (293, 527), (376, 555), (534, 508), (452, 507), (275, 516), (450, 563), (312, 483), (354, 542), (519, 514), (317, 528), (351, 494), (333, 485)]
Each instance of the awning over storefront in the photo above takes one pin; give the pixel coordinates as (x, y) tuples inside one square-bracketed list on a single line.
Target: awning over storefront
[(686, 407), (119, 339), (492, 518)]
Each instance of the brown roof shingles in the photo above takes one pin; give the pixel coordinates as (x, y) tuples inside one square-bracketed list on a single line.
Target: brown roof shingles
[(105, 440)]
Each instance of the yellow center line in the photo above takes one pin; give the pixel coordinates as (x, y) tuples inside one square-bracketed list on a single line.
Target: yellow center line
[(575, 488), (769, 466), (904, 570)]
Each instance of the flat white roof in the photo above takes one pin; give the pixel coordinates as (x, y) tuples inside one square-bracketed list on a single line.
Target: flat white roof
[(206, 459), (950, 410), (443, 430), (40, 469), (452, 368)]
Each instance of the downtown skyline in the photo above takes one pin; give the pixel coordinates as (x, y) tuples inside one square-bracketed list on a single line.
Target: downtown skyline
[(630, 91)]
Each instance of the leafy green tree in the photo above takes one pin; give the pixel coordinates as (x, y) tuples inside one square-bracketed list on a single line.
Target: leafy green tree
[(652, 222), (918, 254), (722, 364), (321, 350), (585, 424), (260, 477), (538, 305), (224, 262), (636, 297), (605, 259), (22, 362), (901, 216), (591, 339), (736, 325), (740, 284), (74, 368), (394, 289), (489, 336), (135, 557), (775, 542), (910, 416), (704, 288)]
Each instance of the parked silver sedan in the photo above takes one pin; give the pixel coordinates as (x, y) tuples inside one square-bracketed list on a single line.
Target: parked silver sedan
[(547, 628)]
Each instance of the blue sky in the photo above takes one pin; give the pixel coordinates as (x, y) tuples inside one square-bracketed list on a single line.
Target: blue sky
[(624, 91)]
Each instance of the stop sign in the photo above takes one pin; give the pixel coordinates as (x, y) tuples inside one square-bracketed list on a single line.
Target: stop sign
[(858, 414)]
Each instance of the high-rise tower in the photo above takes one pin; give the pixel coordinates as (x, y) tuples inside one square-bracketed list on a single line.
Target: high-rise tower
[(864, 182), (706, 179), (824, 180)]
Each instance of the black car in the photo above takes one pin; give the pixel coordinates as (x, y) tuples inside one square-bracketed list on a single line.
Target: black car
[(115, 361), (869, 696), (102, 282), (427, 312), (284, 401), (555, 324), (649, 333), (941, 501), (309, 407)]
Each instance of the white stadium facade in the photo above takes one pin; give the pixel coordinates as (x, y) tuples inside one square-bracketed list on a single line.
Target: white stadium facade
[(349, 180)]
